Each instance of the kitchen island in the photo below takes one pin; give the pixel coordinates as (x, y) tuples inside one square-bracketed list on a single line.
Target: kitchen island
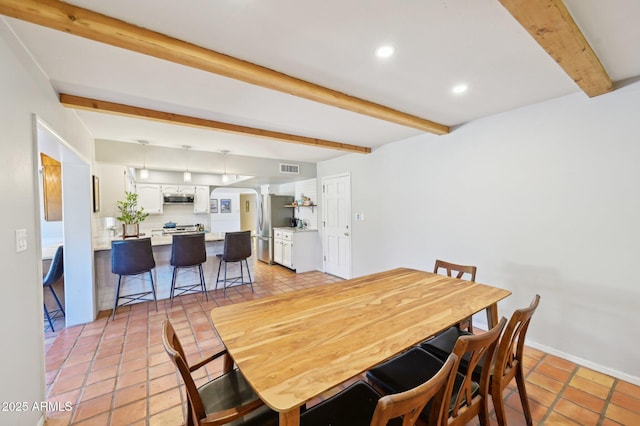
[(106, 282)]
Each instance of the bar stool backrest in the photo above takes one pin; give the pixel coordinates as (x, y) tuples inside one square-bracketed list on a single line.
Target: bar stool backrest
[(188, 250), (56, 269), (237, 246), (131, 257)]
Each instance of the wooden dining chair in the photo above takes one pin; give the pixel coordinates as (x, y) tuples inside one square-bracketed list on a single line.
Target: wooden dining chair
[(361, 405), (458, 271), (225, 399), (508, 360), (464, 397)]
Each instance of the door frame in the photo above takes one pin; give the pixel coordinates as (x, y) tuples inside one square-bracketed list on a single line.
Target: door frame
[(325, 245)]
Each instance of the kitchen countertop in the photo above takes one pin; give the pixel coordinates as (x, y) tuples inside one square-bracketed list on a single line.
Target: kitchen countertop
[(156, 240), (292, 229)]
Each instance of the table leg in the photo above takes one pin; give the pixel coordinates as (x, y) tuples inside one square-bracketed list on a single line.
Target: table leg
[(290, 418), (492, 315)]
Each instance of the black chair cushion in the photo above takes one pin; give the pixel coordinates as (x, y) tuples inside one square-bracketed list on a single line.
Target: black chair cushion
[(188, 250), (232, 390), (353, 406), (409, 370), (442, 345), (132, 257)]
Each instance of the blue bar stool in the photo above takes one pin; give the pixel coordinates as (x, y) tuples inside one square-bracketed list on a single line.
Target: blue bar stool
[(188, 251), (132, 257), (56, 270)]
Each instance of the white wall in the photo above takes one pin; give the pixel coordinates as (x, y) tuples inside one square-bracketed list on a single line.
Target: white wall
[(24, 92), (543, 199), (226, 222)]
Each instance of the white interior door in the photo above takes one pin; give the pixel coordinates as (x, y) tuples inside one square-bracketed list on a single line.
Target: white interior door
[(336, 202)]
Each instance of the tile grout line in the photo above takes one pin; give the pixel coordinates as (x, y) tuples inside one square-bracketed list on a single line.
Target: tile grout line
[(607, 401), (558, 397)]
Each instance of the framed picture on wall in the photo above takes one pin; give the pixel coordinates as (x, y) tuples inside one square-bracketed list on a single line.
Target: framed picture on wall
[(95, 184), (225, 205), (213, 208)]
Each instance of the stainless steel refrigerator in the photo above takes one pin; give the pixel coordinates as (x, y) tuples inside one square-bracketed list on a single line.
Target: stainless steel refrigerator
[(271, 213)]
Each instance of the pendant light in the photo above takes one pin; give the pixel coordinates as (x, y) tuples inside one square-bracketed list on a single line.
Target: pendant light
[(225, 176), (186, 176), (144, 173)]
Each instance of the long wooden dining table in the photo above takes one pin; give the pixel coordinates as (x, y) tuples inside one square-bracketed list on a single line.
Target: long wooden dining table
[(294, 346)]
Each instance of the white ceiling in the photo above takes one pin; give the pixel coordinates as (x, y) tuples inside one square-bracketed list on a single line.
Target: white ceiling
[(438, 44)]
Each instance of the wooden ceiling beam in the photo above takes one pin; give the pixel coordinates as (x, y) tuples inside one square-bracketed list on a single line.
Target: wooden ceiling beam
[(551, 25), (96, 105), (95, 26)]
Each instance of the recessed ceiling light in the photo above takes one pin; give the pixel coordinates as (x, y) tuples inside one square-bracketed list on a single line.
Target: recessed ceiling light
[(384, 51), (459, 88)]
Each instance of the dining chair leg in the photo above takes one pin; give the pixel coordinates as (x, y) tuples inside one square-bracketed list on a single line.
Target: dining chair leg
[(522, 390), (498, 406)]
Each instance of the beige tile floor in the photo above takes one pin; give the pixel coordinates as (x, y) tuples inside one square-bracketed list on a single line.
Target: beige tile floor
[(117, 373)]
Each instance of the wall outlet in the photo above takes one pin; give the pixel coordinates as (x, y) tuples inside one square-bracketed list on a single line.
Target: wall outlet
[(21, 240)]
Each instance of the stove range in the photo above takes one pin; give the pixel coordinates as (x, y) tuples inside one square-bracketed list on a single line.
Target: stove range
[(181, 229)]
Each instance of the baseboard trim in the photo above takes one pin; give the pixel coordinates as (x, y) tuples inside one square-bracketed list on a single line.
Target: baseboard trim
[(581, 361)]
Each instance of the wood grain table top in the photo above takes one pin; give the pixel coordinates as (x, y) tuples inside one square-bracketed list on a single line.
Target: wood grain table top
[(294, 346)]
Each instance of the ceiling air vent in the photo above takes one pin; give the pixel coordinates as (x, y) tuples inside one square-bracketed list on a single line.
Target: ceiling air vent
[(292, 169)]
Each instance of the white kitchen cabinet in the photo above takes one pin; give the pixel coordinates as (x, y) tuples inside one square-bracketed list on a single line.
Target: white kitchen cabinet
[(150, 197), (296, 249), (201, 199), (277, 249)]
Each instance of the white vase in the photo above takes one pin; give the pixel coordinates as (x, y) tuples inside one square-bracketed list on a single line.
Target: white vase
[(130, 230)]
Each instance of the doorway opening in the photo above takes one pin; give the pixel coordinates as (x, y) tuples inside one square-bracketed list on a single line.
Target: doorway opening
[(71, 229), (233, 209)]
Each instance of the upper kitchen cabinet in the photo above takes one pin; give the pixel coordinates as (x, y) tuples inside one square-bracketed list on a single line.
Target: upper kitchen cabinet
[(178, 189), (201, 200), (150, 197)]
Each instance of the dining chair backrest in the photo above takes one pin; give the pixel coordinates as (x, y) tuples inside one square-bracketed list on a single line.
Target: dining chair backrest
[(174, 349), (131, 257), (458, 270), (56, 268), (409, 404), (465, 404), (509, 359), (237, 246)]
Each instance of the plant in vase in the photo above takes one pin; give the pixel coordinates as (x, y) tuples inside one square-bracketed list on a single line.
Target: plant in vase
[(130, 215)]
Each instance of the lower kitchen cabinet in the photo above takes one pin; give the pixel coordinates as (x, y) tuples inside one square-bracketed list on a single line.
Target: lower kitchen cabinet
[(296, 249)]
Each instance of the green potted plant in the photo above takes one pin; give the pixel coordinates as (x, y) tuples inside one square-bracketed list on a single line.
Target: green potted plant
[(130, 215)]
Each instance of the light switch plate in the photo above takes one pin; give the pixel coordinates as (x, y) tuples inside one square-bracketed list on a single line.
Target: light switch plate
[(21, 240)]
